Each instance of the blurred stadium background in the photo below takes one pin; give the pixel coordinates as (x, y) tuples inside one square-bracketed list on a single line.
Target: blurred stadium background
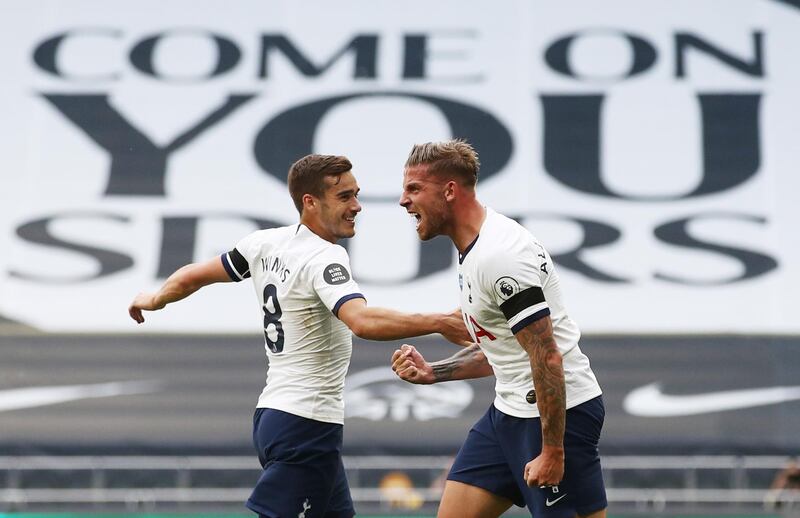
[(652, 146)]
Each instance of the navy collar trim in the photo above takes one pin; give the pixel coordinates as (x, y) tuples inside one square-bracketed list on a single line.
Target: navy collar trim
[(463, 256)]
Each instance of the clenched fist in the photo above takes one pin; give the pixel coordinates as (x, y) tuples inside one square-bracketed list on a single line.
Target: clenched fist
[(410, 366)]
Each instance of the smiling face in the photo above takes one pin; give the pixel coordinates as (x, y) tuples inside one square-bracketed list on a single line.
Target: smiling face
[(337, 208), (425, 199)]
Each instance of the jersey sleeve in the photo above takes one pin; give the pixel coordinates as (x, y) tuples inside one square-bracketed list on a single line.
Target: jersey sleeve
[(237, 261), (332, 279), (514, 281)]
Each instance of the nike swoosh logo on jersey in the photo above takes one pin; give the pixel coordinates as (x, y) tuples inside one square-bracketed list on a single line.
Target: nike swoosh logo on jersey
[(16, 399), (650, 401), (549, 502)]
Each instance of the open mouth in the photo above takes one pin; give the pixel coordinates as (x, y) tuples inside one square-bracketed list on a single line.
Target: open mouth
[(416, 218)]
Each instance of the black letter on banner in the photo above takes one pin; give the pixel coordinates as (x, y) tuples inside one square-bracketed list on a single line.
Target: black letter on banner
[(557, 55), (731, 144), (416, 46), (38, 232), (138, 166), (595, 234), (417, 55), (228, 55), (676, 233), (754, 67), (179, 237), (291, 134), (46, 53), (365, 47)]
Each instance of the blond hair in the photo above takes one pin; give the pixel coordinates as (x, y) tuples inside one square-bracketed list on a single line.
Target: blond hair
[(455, 156)]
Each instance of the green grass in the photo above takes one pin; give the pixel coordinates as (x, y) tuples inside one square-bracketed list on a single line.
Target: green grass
[(187, 515)]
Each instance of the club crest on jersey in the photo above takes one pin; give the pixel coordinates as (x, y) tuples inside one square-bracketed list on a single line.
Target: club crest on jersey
[(335, 273), (506, 287)]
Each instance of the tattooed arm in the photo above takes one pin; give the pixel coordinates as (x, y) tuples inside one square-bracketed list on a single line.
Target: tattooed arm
[(467, 363), (548, 381)]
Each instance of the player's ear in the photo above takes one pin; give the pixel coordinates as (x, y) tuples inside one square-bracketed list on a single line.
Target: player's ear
[(309, 202), (450, 190)]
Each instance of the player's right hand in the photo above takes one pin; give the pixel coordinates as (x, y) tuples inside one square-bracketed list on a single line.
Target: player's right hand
[(454, 329), (410, 366), (545, 470), (143, 301)]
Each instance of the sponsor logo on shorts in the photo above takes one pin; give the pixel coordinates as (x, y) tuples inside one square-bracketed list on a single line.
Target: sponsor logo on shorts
[(549, 502)]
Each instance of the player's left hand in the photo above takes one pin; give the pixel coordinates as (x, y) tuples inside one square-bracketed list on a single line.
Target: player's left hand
[(454, 330), (143, 301), (410, 366), (547, 469)]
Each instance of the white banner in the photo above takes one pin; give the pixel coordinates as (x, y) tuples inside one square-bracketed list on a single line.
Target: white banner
[(652, 147)]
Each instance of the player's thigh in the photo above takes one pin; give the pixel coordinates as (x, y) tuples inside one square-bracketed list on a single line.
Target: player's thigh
[(340, 504), (291, 489), (581, 491), (583, 471), (481, 462), (301, 463), (461, 500)]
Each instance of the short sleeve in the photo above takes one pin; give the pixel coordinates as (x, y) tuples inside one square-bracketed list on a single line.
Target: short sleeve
[(237, 261), (332, 279), (514, 280)]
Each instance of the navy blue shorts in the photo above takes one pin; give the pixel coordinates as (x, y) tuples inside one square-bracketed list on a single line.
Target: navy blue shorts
[(497, 448), (303, 472)]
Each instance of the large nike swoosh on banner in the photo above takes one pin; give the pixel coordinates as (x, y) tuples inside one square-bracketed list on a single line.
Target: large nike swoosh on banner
[(650, 401), (15, 399)]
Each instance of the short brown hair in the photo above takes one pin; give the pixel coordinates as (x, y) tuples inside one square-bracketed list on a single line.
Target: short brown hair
[(307, 175), (453, 156)]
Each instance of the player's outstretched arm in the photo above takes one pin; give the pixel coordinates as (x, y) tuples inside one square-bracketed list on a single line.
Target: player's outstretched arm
[(469, 363), (387, 324), (548, 381), (185, 281)]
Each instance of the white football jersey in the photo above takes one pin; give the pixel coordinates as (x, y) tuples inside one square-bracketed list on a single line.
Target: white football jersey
[(301, 281), (508, 281)]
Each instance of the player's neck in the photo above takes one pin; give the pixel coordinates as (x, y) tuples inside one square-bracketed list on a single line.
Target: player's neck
[(318, 229), (467, 224)]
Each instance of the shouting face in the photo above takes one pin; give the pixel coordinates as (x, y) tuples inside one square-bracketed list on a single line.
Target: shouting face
[(424, 199)]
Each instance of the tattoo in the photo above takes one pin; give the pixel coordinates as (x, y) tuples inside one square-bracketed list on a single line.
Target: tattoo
[(548, 378), (468, 363), (443, 371)]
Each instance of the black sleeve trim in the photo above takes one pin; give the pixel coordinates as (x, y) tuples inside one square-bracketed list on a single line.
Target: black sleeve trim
[(530, 319), (345, 299), (522, 301)]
